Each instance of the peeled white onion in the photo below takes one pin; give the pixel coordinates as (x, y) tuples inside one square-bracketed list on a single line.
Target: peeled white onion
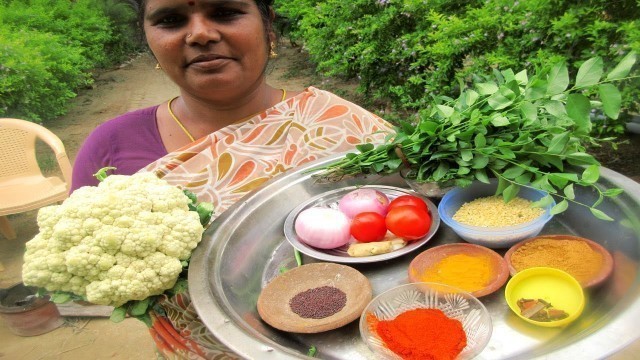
[(323, 228), (364, 200)]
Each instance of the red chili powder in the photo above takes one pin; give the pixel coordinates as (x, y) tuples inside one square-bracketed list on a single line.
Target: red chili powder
[(422, 334)]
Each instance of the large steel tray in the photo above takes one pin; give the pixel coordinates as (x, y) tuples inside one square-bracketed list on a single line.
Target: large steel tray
[(245, 248)]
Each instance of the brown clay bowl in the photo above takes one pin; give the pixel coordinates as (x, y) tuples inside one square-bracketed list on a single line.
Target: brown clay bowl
[(603, 273), (431, 257), (273, 301)]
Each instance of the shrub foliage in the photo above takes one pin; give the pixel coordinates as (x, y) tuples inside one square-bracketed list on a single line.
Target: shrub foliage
[(48, 49), (408, 51)]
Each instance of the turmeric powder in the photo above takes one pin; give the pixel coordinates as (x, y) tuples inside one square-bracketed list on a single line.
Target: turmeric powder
[(466, 272)]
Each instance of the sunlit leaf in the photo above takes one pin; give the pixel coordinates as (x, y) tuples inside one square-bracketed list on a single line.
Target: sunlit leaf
[(544, 201), (481, 175), (568, 192), (589, 72), (513, 172), (510, 192), (558, 143), (500, 121), (529, 111), (611, 100), (624, 67), (487, 88), (446, 111), (522, 77), (558, 79), (499, 101), (600, 215), (560, 207), (591, 174), (612, 192), (578, 108)]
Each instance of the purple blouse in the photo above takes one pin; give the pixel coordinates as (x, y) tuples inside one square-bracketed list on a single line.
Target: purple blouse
[(110, 144)]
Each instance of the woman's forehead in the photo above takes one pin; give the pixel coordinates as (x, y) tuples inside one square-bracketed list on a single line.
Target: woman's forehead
[(196, 2)]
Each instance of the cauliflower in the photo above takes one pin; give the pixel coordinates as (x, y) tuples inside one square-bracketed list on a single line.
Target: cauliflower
[(120, 241)]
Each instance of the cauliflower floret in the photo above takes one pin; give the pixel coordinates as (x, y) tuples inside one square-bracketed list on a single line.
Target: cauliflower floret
[(122, 240), (140, 279)]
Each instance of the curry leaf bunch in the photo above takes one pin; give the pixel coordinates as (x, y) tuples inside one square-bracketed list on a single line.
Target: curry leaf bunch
[(523, 130)]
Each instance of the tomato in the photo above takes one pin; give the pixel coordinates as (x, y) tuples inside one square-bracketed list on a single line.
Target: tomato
[(408, 200), (368, 226), (408, 222)]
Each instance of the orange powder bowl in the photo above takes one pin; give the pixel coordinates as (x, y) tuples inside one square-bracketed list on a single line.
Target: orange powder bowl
[(455, 308), (586, 260), (473, 268)]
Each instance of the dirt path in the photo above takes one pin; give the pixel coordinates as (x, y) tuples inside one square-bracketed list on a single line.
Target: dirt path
[(135, 85)]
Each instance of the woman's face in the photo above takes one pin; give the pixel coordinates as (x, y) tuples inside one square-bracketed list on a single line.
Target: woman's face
[(210, 48)]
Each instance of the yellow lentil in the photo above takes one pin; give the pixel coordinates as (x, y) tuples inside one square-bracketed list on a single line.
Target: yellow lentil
[(492, 211)]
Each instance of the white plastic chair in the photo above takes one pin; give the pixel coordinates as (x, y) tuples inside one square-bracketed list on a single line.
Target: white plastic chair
[(23, 186)]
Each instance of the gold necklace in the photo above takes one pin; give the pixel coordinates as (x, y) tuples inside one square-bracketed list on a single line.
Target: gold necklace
[(284, 95)]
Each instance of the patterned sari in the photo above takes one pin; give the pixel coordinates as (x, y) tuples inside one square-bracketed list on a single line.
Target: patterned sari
[(227, 164)]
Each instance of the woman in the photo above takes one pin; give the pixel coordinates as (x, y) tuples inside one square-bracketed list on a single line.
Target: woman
[(227, 132)]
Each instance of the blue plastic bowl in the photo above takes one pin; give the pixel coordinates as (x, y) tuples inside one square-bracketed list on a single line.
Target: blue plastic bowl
[(491, 237)]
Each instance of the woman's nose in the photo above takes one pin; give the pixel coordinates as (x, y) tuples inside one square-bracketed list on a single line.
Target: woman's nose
[(202, 31)]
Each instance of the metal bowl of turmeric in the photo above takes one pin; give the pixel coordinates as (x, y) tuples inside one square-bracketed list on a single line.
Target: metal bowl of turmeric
[(478, 216), (472, 268), (429, 320), (589, 262)]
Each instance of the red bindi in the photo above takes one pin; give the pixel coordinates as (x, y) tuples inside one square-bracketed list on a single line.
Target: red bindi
[(191, 3)]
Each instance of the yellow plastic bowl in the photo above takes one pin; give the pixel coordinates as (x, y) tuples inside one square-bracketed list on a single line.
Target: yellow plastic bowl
[(555, 286)]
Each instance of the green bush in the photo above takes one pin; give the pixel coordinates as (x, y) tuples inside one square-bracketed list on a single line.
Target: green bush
[(409, 51), (48, 49)]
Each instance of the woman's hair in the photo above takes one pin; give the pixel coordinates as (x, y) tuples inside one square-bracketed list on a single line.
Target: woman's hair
[(264, 6)]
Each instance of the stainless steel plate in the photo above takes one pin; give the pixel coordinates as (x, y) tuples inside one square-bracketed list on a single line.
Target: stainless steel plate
[(330, 199), (245, 248)]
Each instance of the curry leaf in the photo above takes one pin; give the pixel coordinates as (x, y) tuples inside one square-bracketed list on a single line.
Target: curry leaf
[(480, 141), (600, 215), (510, 192), (624, 67), (612, 192), (446, 111), (544, 201), (558, 143), (589, 72), (568, 192), (560, 207), (578, 108), (558, 79), (486, 88), (611, 100), (513, 172), (591, 174)]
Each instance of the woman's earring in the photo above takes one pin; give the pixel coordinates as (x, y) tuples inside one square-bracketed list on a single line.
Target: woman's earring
[(272, 52), (158, 67)]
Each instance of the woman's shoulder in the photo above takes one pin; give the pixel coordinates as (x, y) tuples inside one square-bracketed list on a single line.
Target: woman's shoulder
[(141, 118)]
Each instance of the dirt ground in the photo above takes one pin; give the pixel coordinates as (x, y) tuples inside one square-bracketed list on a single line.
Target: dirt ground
[(134, 85)]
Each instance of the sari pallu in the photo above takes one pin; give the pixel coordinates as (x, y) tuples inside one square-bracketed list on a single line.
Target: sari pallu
[(224, 166)]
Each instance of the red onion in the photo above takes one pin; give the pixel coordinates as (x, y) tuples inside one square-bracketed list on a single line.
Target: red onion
[(364, 200), (323, 228)]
